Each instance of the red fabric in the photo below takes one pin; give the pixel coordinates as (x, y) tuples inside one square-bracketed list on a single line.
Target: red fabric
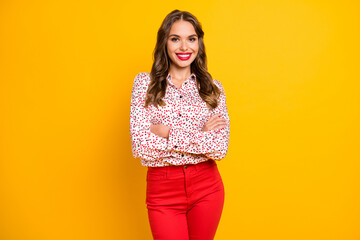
[(186, 113), (184, 202)]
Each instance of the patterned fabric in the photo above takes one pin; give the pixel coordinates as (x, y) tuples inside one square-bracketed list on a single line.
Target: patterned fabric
[(185, 113)]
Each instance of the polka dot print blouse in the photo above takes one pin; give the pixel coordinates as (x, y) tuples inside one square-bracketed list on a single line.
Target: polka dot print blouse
[(185, 113)]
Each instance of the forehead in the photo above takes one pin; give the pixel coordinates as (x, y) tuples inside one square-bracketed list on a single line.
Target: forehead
[(182, 28)]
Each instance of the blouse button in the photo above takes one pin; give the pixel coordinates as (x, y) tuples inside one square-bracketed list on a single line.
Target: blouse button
[(185, 167), (179, 114), (175, 146), (182, 155), (180, 96)]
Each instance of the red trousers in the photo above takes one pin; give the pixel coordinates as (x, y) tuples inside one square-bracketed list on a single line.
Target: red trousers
[(184, 202)]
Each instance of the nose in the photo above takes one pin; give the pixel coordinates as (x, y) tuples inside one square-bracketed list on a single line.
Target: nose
[(183, 46)]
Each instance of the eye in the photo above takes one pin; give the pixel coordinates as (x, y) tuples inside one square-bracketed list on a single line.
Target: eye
[(192, 39), (172, 39)]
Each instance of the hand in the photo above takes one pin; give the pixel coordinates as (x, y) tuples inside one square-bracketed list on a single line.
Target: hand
[(160, 130), (215, 122)]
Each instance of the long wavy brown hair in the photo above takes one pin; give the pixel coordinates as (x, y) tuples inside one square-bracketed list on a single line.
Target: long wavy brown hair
[(208, 91)]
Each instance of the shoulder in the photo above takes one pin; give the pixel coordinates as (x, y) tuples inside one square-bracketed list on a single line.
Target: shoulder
[(141, 80), (142, 76), (219, 85)]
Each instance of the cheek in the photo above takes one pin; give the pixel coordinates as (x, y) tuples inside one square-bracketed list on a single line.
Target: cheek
[(196, 51), (170, 48), (196, 48)]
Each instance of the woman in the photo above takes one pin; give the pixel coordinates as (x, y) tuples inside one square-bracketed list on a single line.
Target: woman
[(179, 127)]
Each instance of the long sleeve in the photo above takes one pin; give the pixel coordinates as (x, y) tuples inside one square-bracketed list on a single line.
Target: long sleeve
[(144, 143), (213, 144)]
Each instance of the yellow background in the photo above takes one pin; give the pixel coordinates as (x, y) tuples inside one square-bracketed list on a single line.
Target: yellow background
[(290, 70)]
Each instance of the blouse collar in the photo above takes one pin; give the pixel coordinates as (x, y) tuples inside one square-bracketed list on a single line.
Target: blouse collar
[(191, 77)]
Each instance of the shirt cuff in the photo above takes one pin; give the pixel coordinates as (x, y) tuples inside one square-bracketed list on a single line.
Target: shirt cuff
[(176, 140)]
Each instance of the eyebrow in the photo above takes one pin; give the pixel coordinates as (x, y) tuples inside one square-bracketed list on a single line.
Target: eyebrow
[(192, 35)]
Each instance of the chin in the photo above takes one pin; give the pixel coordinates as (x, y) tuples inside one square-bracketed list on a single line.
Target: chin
[(185, 64)]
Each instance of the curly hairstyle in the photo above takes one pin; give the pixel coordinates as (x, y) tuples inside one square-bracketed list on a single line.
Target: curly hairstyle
[(208, 91)]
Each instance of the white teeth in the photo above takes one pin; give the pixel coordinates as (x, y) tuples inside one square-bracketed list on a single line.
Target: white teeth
[(181, 55)]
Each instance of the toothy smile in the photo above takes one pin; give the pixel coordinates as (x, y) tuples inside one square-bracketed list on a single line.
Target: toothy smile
[(183, 56)]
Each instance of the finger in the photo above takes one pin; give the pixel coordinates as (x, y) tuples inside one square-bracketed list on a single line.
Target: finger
[(213, 118), (220, 126), (217, 125), (210, 126), (220, 121), (210, 122), (217, 115)]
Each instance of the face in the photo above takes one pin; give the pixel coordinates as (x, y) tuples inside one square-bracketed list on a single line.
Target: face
[(182, 44)]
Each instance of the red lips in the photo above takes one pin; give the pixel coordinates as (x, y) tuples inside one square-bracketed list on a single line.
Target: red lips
[(182, 56)]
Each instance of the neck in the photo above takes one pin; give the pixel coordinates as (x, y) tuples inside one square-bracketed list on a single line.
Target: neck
[(179, 74)]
